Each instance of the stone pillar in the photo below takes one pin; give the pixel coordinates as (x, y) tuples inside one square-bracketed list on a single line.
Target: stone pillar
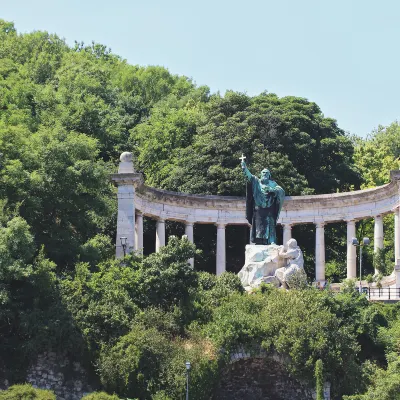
[(320, 252), (221, 251), (287, 233), (139, 232), (160, 234), (396, 236), (351, 250), (190, 236), (126, 179), (378, 235)]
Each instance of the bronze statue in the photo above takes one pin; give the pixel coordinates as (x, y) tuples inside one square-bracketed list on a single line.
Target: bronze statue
[(264, 200)]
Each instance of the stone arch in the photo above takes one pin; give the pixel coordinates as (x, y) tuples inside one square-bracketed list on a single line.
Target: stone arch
[(256, 375)]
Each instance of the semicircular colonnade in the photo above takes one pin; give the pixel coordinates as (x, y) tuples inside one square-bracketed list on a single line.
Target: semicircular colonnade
[(136, 200)]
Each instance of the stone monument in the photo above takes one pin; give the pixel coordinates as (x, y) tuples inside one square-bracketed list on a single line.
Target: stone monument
[(265, 261), (261, 263), (273, 264)]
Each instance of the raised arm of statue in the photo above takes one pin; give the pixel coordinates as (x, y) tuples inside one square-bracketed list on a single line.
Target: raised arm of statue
[(246, 171)]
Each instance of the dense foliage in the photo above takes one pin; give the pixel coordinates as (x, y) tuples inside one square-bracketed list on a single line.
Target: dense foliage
[(65, 115), (26, 392)]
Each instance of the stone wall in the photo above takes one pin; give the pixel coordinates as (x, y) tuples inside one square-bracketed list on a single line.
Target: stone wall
[(68, 380), (260, 378)]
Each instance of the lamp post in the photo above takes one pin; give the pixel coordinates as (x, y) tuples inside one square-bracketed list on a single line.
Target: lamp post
[(123, 244), (187, 379), (365, 242)]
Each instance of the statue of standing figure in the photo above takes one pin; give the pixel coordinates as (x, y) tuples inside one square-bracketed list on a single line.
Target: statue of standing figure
[(264, 200)]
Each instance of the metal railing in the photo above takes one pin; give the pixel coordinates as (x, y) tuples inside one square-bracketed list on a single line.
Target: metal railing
[(382, 293)]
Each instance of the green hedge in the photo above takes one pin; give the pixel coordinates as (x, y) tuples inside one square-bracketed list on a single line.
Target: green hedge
[(26, 392), (100, 396)]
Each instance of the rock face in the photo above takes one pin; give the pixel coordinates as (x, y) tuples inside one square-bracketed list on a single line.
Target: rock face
[(260, 265)]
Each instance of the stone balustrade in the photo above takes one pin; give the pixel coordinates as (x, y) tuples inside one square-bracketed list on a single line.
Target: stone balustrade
[(137, 199)]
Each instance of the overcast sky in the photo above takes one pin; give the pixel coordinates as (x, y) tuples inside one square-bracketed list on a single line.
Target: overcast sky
[(342, 54)]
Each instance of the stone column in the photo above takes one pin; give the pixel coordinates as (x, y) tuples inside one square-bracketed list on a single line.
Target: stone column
[(160, 234), (221, 251), (397, 275), (126, 179), (320, 252), (287, 233), (378, 235), (190, 236), (396, 236), (351, 250), (139, 232)]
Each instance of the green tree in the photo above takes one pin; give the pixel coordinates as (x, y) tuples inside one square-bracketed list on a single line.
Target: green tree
[(289, 135), (32, 318)]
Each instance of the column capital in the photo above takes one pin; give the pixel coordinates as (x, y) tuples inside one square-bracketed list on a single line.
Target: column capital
[(221, 224), (378, 216), (138, 213), (190, 220), (287, 224), (160, 220), (319, 224), (129, 178), (350, 220)]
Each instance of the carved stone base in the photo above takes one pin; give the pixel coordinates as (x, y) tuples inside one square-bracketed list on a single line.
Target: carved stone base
[(260, 265)]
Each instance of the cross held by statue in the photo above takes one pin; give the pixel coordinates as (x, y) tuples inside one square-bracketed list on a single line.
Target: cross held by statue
[(242, 158)]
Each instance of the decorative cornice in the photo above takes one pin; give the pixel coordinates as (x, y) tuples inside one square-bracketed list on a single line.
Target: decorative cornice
[(127, 178), (196, 208)]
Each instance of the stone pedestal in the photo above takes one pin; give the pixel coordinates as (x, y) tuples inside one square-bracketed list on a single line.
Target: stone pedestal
[(127, 180), (260, 265)]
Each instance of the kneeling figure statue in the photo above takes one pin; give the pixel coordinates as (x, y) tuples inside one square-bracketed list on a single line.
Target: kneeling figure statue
[(292, 274)]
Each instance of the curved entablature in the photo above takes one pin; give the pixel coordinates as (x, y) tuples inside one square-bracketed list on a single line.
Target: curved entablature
[(333, 207)]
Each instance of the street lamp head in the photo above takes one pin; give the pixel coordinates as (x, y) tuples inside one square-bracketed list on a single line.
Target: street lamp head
[(366, 241), (187, 365), (354, 241), (123, 244), (123, 240)]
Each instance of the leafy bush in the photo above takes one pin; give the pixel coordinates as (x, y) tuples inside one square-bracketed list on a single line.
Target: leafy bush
[(384, 384), (133, 366), (293, 323), (146, 363), (26, 392), (105, 302), (100, 396)]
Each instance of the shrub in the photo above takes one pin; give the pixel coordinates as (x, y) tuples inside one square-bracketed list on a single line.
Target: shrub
[(100, 396), (146, 364), (295, 323), (132, 367), (26, 392)]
